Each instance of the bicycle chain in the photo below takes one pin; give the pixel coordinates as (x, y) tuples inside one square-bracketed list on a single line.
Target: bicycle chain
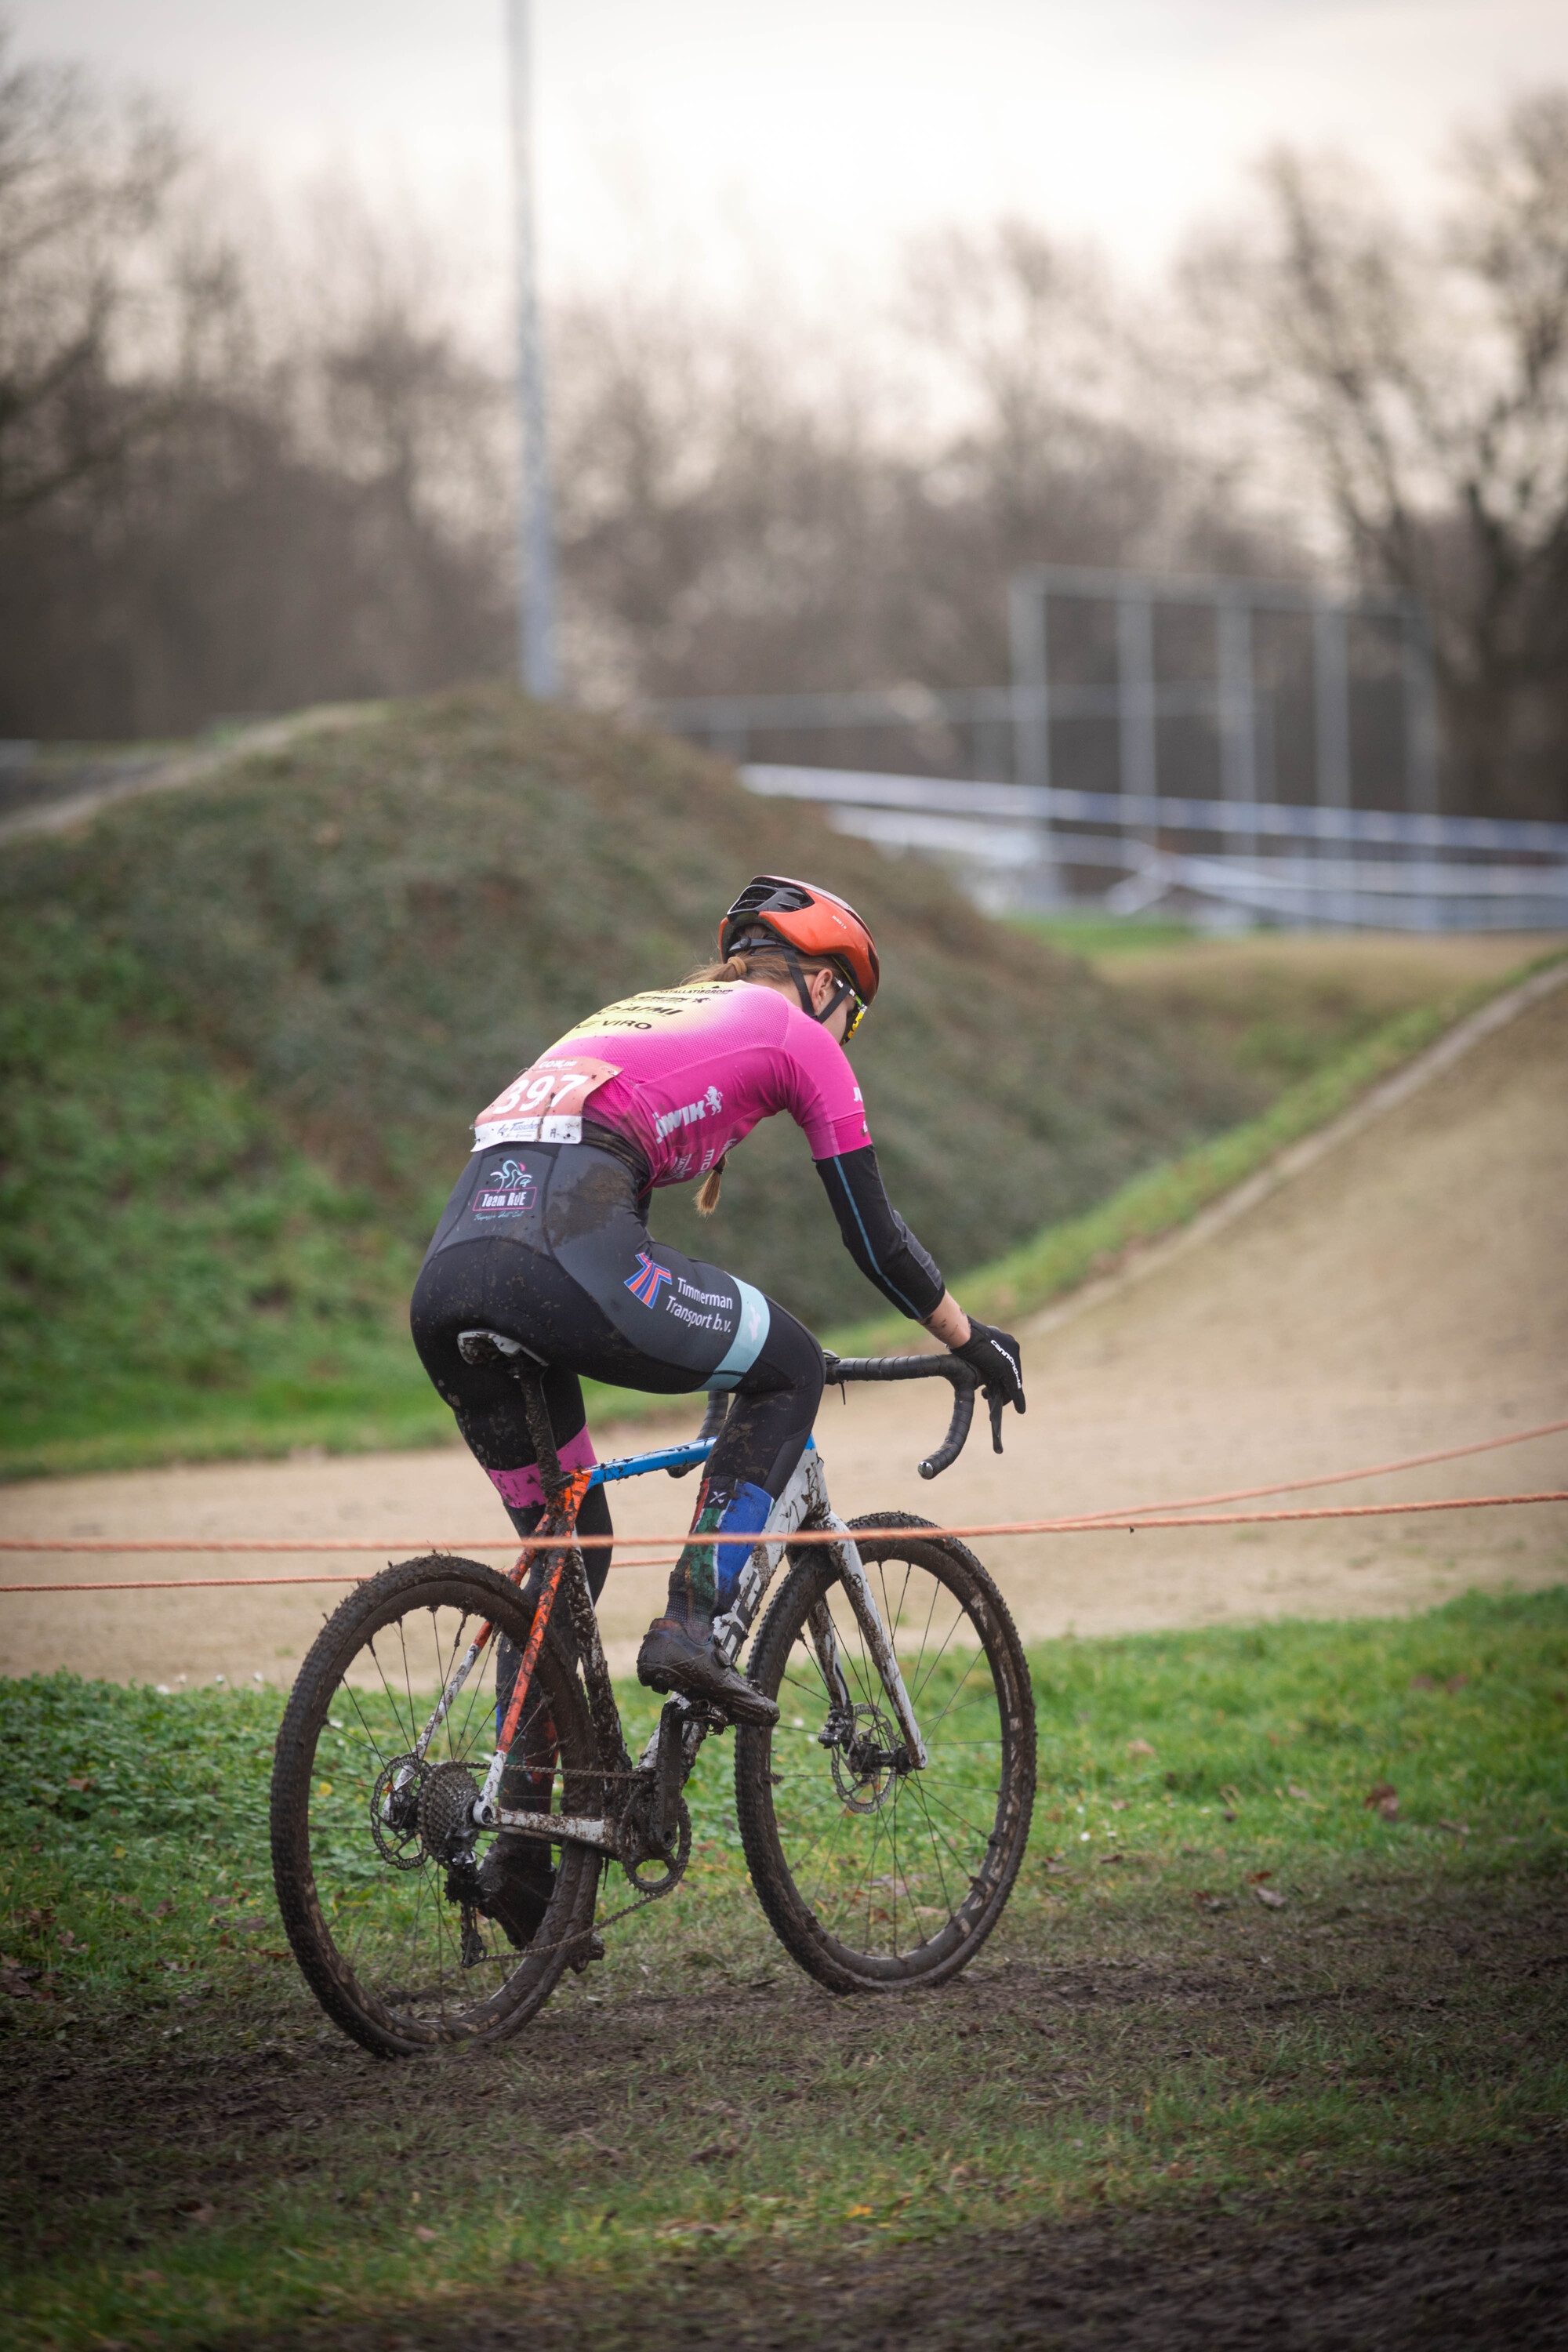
[(584, 1623)]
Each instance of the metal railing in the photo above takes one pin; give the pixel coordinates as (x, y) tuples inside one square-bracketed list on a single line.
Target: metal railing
[(1015, 844), (1294, 703)]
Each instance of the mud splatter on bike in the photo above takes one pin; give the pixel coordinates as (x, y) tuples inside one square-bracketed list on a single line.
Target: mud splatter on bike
[(446, 1707)]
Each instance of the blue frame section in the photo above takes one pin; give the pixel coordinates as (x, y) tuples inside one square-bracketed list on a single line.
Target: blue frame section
[(671, 1457)]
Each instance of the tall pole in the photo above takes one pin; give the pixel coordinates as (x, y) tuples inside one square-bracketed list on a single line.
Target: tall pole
[(1031, 706), (1135, 714), (1238, 716), (535, 535)]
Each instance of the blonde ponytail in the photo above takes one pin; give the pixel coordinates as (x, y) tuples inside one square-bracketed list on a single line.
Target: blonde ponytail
[(708, 1198), (757, 963)]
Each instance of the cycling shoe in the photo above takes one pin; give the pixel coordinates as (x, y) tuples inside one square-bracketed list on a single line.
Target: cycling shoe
[(677, 1658)]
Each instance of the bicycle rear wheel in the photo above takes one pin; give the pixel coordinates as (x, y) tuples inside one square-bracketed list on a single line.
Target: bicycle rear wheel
[(874, 1873), (366, 1836)]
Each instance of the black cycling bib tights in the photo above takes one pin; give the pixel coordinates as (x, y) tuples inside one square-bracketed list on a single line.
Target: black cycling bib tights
[(546, 1244)]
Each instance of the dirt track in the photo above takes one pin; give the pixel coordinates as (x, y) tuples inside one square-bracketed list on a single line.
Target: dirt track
[(1405, 1294)]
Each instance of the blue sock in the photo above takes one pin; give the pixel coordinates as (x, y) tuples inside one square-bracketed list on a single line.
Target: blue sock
[(746, 1515)]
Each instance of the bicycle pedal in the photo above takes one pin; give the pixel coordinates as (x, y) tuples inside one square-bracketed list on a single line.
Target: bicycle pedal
[(591, 1948)]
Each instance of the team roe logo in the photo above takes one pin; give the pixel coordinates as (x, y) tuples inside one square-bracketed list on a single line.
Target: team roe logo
[(648, 1280), (505, 1192)]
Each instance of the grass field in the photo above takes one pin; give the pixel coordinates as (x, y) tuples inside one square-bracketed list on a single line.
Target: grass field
[(1285, 1957), (269, 1222)]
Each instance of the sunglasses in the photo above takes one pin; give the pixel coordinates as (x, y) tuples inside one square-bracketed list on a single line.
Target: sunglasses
[(856, 1015)]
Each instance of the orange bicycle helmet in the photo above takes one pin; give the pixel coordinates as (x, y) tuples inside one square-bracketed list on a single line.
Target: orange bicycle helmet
[(811, 921)]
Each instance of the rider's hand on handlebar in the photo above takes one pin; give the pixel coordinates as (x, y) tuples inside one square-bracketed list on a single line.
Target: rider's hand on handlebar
[(997, 1357)]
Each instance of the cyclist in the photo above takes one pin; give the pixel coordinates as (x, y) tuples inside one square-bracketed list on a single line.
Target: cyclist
[(545, 1240)]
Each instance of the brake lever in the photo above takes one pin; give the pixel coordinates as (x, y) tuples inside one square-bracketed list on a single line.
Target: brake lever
[(996, 1400)]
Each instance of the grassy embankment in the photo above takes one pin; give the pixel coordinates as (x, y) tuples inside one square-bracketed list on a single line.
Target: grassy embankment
[(1225, 1983), (247, 1025)]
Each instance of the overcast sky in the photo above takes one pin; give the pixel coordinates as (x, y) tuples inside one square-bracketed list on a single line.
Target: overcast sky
[(699, 135)]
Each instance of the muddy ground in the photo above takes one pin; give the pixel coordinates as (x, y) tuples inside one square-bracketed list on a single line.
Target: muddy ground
[(1470, 2255), (1406, 1293), (1423, 2227)]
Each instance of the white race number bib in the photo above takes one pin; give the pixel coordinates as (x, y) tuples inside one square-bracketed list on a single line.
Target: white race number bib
[(546, 1104)]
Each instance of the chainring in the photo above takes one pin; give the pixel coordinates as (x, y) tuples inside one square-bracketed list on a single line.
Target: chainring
[(639, 1851)]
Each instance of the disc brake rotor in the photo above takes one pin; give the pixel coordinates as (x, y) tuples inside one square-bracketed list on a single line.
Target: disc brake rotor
[(395, 1812), (863, 1767)]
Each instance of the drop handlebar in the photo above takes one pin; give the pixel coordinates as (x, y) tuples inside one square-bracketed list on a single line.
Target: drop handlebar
[(964, 1379)]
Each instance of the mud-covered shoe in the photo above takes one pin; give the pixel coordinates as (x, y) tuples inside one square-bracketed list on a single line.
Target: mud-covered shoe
[(675, 1657), (516, 1881)]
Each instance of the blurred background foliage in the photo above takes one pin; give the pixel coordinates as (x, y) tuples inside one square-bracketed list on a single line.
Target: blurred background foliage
[(253, 456)]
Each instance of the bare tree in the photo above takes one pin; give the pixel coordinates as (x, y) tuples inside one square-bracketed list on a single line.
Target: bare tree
[(1423, 380), (84, 181), (736, 516), (254, 458), (225, 496)]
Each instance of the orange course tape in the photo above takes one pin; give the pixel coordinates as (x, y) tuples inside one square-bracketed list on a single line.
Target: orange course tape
[(1134, 1526), (1083, 1520), (1146, 1516)]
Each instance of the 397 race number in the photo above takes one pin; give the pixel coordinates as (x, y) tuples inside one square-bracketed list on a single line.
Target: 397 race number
[(544, 1105)]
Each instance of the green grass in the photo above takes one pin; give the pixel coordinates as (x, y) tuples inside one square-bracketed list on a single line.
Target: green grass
[(1098, 934), (363, 1387), (196, 2157)]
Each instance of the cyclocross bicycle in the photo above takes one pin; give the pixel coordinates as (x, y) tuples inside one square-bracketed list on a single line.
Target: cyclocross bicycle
[(445, 1706)]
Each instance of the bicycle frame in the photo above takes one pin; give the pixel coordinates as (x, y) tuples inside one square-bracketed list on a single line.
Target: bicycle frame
[(556, 1563)]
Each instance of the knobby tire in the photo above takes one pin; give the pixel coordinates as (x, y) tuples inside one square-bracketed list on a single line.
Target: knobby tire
[(324, 1870), (901, 1881)]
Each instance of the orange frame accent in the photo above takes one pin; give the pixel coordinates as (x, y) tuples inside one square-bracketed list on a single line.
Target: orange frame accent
[(566, 1505)]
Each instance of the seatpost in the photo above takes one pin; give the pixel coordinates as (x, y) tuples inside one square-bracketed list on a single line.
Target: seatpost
[(552, 1476)]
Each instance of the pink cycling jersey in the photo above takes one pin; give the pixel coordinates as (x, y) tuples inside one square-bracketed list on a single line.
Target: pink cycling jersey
[(696, 1068)]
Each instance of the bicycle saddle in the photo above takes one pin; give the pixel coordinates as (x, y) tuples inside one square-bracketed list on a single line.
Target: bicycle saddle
[(484, 1347)]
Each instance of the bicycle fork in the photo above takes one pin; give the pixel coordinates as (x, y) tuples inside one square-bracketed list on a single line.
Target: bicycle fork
[(804, 1505)]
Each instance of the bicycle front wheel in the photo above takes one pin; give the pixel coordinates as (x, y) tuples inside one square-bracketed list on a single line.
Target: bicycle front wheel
[(873, 1872), (373, 1853)]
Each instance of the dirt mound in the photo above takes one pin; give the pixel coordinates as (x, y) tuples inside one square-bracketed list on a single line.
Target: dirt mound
[(248, 1022)]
